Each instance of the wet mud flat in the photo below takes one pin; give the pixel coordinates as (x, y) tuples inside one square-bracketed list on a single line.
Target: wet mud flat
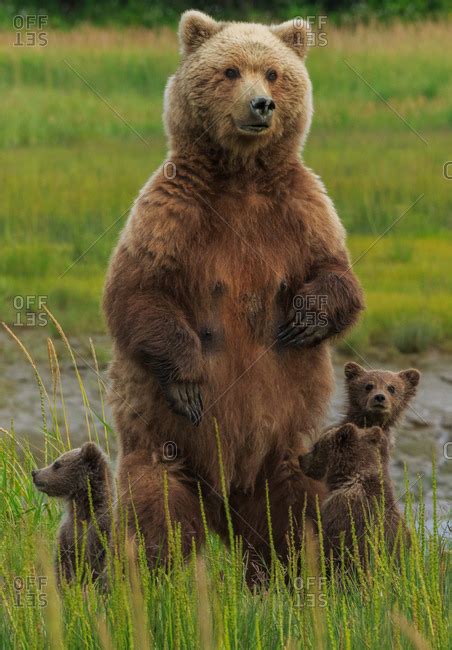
[(425, 432)]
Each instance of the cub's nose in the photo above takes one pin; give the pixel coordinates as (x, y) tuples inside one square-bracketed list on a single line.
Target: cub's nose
[(262, 106), (380, 398)]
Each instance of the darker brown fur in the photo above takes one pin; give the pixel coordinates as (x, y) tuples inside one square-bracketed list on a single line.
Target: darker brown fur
[(82, 477), (200, 291), (349, 459)]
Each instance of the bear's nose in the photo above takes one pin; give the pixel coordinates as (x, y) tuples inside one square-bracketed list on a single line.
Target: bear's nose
[(379, 398), (33, 472), (262, 106)]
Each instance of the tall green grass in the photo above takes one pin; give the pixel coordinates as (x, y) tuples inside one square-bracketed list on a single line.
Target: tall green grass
[(394, 602)]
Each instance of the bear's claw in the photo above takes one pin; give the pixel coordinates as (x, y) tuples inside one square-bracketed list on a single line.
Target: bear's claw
[(184, 398), (302, 336)]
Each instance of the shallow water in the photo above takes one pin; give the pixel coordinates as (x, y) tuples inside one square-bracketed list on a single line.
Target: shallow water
[(426, 430)]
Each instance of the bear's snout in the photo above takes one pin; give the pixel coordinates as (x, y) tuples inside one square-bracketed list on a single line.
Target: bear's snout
[(262, 107)]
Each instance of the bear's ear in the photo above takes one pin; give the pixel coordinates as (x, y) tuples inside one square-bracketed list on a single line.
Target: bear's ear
[(377, 437), (410, 376), (90, 453), (353, 370), (295, 34), (195, 28), (374, 435), (346, 434)]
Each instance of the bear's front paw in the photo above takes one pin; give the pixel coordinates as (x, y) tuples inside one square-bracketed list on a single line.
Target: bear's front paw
[(184, 398), (303, 335)]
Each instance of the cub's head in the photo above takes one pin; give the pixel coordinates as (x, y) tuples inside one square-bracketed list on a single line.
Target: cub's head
[(343, 452), (241, 86), (68, 475), (378, 397)]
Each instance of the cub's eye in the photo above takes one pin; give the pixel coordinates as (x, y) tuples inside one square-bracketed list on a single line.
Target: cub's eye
[(232, 73), (56, 464), (271, 75), (391, 389), (369, 387)]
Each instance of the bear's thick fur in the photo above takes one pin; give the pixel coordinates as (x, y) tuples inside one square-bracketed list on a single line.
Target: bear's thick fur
[(354, 463), (200, 292), (82, 477), (378, 397)]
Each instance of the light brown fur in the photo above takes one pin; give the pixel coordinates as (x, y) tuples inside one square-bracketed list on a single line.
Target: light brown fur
[(378, 397), (205, 273)]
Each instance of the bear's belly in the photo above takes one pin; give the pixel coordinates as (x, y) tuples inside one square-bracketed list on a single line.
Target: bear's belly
[(271, 399), (258, 399)]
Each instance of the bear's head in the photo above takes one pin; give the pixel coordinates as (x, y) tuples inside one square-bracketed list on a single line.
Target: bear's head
[(240, 87), (345, 452), (378, 397), (69, 474)]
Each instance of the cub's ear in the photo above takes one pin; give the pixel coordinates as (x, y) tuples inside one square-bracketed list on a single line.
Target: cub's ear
[(377, 437), (90, 453), (195, 28), (295, 34), (346, 434), (410, 376), (374, 435), (314, 464), (353, 370)]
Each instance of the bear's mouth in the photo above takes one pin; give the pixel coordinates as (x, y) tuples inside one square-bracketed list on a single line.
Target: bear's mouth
[(379, 407), (253, 128)]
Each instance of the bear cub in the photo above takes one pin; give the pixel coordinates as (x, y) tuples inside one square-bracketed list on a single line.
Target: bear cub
[(83, 478), (378, 397), (347, 459)]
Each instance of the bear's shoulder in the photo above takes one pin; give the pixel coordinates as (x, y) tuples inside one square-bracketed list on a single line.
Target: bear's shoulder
[(316, 208), (163, 221)]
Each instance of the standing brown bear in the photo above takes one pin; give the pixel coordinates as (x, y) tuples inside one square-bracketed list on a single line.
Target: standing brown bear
[(228, 247)]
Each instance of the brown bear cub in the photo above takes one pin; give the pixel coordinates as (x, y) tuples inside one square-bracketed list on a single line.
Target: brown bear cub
[(378, 397), (83, 478), (353, 463)]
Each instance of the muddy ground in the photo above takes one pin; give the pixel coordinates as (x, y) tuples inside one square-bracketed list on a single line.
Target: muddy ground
[(425, 432)]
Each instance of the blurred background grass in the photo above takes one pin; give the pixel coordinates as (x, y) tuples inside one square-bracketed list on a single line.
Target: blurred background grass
[(71, 167)]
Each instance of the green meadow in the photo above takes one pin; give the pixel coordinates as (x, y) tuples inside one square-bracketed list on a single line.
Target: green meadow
[(81, 131)]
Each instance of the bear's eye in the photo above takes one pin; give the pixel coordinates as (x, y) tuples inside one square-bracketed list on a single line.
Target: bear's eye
[(232, 73), (369, 387), (391, 389), (271, 75), (56, 464)]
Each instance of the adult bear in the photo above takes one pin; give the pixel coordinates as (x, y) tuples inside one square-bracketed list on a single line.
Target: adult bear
[(207, 290)]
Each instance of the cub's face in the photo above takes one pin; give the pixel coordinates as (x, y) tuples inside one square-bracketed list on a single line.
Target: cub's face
[(68, 474), (244, 84), (379, 396), (344, 452)]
